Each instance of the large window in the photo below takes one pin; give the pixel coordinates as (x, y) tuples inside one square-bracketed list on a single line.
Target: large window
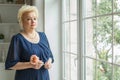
[(69, 39), (101, 55), (102, 39)]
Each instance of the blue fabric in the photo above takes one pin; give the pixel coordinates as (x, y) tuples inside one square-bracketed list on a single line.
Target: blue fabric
[(21, 49)]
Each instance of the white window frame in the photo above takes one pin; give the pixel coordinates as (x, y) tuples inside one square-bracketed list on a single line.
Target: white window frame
[(80, 41)]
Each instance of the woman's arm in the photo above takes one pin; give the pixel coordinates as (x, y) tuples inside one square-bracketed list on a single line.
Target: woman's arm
[(48, 64), (27, 65), (22, 65)]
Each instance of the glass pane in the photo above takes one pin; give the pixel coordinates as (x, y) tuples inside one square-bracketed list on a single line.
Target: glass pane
[(66, 37), (66, 10), (98, 70), (89, 74), (116, 39), (104, 7), (90, 8), (90, 50), (73, 9), (70, 66), (103, 38), (103, 71), (99, 38), (116, 5), (116, 72), (70, 37), (73, 36)]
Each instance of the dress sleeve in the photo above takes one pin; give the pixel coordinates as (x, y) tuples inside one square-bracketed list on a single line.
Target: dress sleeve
[(13, 53), (50, 52)]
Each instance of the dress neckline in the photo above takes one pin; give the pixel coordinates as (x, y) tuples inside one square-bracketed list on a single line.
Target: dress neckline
[(30, 41)]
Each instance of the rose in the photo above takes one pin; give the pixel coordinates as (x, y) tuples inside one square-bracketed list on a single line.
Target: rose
[(34, 59)]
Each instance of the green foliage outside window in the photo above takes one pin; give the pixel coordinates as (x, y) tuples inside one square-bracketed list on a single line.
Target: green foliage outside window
[(106, 34)]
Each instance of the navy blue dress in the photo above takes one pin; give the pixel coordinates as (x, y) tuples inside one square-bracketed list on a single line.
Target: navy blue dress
[(20, 50)]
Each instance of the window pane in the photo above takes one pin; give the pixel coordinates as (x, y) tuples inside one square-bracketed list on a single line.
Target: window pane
[(116, 5), (103, 71), (116, 39), (73, 9), (73, 36), (90, 8), (89, 74), (70, 37), (90, 51), (66, 37), (66, 10), (116, 72), (98, 70), (104, 7), (70, 66), (103, 38)]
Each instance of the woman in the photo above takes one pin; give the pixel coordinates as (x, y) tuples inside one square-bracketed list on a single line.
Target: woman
[(29, 52)]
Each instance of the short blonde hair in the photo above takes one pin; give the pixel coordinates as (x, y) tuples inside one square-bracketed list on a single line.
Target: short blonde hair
[(25, 9)]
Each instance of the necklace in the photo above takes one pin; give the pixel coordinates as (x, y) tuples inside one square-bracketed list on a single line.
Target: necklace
[(34, 38)]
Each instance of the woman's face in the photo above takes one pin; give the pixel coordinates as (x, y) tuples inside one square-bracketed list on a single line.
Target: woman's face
[(29, 20)]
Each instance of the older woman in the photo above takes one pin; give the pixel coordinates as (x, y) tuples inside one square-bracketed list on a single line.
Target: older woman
[(29, 51)]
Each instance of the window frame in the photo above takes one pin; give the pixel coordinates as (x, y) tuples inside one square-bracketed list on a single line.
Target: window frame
[(82, 39), (78, 46)]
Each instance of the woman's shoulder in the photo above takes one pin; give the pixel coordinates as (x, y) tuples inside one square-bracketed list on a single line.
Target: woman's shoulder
[(16, 36), (42, 33)]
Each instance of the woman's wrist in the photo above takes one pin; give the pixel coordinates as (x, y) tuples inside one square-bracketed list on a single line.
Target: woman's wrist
[(50, 59), (30, 65)]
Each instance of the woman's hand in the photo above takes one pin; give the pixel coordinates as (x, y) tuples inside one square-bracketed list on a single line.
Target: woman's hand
[(34, 60), (38, 65), (48, 64)]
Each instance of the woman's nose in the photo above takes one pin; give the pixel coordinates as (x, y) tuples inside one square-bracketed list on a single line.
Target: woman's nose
[(33, 20)]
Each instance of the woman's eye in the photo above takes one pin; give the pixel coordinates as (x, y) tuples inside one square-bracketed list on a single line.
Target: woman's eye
[(34, 18), (31, 19), (28, 19)]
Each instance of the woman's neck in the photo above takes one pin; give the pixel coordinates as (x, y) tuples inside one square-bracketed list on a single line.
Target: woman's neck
[(31, 36), (29, 32)]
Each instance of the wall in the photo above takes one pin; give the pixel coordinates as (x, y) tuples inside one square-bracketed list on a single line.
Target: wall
[(8, 13), (52, 29), (8, 26), (40, 6)]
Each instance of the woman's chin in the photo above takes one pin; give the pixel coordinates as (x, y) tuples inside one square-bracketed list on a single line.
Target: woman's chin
[(33, 27)]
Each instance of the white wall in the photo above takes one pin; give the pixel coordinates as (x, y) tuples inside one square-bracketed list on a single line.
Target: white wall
[(49, 22), (40, 6), (52, 29)]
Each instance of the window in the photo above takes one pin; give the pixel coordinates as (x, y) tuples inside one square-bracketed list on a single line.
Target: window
[(101, 25), (102, 39), (69, 39)]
